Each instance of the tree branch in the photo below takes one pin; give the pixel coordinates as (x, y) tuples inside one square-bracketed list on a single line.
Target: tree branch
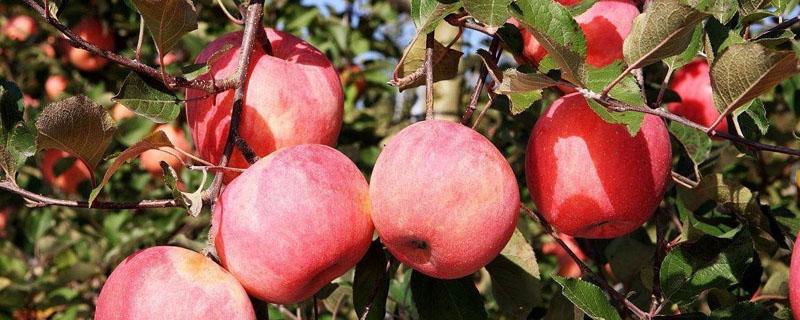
[(429, 41), (38, 200), (473, 101)]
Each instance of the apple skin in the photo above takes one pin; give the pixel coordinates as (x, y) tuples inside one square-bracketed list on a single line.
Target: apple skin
[(444, 199), (294, 97), (606, 25), (19, 28), (151, 159), (292, 222), (96, 33), (794, 280), (566, 266), (591, 179), (69, 180), (693, 85), (120, 112), (171, 283), (55, 86)]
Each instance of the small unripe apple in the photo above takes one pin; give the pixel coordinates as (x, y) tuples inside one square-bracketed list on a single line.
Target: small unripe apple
[(693, 85), (120, 112), (605, 25), (590, 178), (96, 33), (445, 201), (171, 283), (151, 159), (794, 280), (70, 178), (566, 265), (292, 222), (293, 97), (19, 28), (55, 86)]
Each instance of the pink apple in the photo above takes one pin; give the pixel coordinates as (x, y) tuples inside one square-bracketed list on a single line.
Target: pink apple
[(94, 32), (794, 280), (69, 179), (19, 28), (591, 179), (151, 159), (171, 283), (55, 86), (445, 201), (293, 222), (693, 85), (293, 97)]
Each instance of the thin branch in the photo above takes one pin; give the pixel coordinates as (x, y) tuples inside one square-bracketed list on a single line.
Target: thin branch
[(473, 101), (663, 88), (429, 41), (463, 21), (141, 39), (247, 152), (228, 14), (616, 81), (38, 200), (536, 216), (661, 251), (780, 26), (483, 112)]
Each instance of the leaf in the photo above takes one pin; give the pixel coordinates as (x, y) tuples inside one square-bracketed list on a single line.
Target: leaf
[(748, 7), (17, 140), (696, 143), (555, 29), (695, 47), (629, 256), (492, 13), (561, 308), (745, 71), (371, 283), (148, 99), (515, 278), (193, 202), (11, 107), (708, 263), (427, 14), (588, 297), (627, 91), (518, 82), (752, 123), (722, 10), (446, 299), (664, 29), (410, 68), (167, 20), (521, 101), (76, 125), (157, 139)]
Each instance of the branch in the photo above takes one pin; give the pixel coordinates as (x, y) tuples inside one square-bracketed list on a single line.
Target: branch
[(620, 298), (247, 152), (429, 41), (38, 200), (473, 101), (661, 251)]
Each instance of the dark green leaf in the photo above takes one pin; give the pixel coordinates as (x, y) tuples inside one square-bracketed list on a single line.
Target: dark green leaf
[(371, 283), (438, 299), (491, 13), (148, 99), (167, 20), (665, 29), (588, 297), (427, 14), (515, 278)]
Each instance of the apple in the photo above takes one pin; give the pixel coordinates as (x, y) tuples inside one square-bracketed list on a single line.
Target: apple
[(151, 159), (96, 33), (4, 214), (590, 178), (693, 84), (606, 25), (19, 28), (292, 222), (70, 178), (120, 112), (171, 283), (444, 199), (294, 97), (55, 86), (794, 280), (566, 265)]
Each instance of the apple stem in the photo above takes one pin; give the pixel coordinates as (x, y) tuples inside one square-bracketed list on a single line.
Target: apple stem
[(429, 41)]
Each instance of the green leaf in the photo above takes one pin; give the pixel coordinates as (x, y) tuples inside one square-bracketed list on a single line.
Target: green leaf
[(167, 20), (588, 297), (694, 48), (722, 10), (696, 143), (11, 107), (561, 308), (15, 142), (555, 29), (437, 299), (515, 278), (371, 283), (745, 71), (193, 202), (148, 99), (427, 14), (492, 13), (748, 7), (627, 91), (665, 29), (76, 125), (410, 68), (708, 263), (628, 256), (157, 139), (752, 123), (521, 101), (518, 82)]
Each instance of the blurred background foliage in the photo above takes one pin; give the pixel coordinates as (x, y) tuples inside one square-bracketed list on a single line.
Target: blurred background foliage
[(53, 261)]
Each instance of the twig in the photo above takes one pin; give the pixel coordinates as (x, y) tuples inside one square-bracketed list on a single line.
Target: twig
[(616, 81), (661, 252), (663, 88), (38, 200), (483, 112), (247, 152), (228, 14), (473, 101), (462, 21), (429, 41), (141, 39), (584, 268)]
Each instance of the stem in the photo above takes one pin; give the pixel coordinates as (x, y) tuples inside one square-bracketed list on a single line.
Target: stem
[(663, 88), (38, 200), (141, 39), (429, 41), (616, 81), (473, 101), (228, 14)]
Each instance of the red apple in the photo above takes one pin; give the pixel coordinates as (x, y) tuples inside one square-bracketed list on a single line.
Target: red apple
[(693, 85), (606, 25), (591, 179), (151, 159), (19, 28), (293, 97), (68, 180), (120, 112), (94, 32), (445, 201), (55, 86), (4, 213), (171, 283), (794, 280), (293, 222), (566, 265)]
